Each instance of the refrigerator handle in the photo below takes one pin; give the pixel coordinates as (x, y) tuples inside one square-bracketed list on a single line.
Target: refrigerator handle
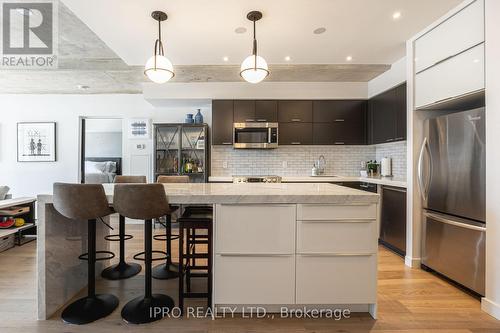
[(420, 171), (455, 223)]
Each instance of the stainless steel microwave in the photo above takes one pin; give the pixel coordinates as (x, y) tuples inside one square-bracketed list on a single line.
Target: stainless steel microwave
[(255, 135)]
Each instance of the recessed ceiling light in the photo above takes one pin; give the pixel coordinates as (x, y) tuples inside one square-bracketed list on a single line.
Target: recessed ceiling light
[(240, 30), (287, 58), (83, 87), (226, 59), (319, 31), (348, 58), (476, 61), (396, 15)]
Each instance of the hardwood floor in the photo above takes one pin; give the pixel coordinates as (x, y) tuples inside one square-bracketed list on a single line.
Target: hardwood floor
[(410, 300)]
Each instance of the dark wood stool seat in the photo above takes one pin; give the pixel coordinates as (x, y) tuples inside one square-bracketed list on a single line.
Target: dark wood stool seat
[(145, 202), (191, 222), (86, 202)]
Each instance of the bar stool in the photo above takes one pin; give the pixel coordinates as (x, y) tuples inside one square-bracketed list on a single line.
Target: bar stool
[(191, 221), (86, 202), (145, 202), (122, 270), (168, 270)]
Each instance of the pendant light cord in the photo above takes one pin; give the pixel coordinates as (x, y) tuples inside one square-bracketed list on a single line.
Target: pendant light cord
[(158, 45)]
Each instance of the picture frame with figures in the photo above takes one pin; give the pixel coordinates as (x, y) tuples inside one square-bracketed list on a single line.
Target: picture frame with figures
[(36, 142)]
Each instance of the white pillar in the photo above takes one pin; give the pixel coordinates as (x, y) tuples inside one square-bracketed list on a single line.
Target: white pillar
[(491, 302)]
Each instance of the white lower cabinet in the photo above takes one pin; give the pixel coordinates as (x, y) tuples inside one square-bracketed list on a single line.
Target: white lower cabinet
[(329, 279), (259, 279)]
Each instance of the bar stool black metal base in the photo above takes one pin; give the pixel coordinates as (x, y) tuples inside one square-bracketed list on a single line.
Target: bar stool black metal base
[(166, 271), (141, 310), (121, 270), (89, 309)]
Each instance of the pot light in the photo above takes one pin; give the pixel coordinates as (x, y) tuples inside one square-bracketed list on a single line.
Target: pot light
[(319, 31), (396, 15), (158, 68), (226, 59), (254, 68), (83, 87), (240, 30), (287, 58), (348, 58)]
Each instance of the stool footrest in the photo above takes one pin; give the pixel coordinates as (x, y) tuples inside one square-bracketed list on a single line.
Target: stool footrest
[(117, 238), (139, 256), (163, 237), (85, 256)]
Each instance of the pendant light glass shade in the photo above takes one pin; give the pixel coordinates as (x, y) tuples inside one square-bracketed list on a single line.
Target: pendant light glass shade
[(254, 69), (159, 70)]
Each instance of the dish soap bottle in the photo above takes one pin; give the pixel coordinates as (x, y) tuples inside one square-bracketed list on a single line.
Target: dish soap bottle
[(314, 170)]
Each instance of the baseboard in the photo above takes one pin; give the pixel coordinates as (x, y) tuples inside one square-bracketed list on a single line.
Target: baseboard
[(491, 308), (412, 262)]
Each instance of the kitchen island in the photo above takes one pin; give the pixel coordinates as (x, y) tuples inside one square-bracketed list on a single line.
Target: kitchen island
[(275, 245)]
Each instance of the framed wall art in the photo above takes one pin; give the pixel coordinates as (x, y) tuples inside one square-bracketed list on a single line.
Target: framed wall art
[(36, 142)]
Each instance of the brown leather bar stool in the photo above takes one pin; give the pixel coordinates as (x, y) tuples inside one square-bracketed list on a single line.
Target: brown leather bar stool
[(86, 202), (192, 221), (145, 202), (168, 270), (122, 270)]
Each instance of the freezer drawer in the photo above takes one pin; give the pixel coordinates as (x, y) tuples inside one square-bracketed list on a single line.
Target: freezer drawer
[(454, 247)]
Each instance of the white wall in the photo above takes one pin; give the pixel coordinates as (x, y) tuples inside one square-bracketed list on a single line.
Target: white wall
[(390, 79), (34, 178), (491, 303)]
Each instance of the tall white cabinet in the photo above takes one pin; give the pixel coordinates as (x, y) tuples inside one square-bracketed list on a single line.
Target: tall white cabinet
[(449, 59)]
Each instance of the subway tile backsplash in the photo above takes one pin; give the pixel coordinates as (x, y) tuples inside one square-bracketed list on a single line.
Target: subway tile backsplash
[(298, 160)]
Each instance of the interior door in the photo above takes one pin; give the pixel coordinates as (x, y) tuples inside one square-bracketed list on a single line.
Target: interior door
[(457, 164)]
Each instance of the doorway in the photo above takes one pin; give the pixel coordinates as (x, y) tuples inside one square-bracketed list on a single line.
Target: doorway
[(101, 147)]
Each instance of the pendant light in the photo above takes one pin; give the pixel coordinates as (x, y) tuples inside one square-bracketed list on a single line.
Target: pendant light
[(254, 68), (158, 68)]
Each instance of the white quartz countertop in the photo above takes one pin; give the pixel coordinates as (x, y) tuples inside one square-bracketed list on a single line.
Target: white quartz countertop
[(15, 202), (229, 193), (325, 179)]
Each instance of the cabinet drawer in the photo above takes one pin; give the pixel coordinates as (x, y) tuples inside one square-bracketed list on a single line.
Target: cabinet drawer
[(458, 33), (336, 212), (457, 76), (254, 279), (336, 237), (250, 229), (336, 279)]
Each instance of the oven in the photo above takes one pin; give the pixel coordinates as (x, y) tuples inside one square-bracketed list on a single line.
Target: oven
[(255, 135)]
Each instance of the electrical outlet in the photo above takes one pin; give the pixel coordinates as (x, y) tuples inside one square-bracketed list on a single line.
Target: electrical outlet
[(224, 165), (285, 164)]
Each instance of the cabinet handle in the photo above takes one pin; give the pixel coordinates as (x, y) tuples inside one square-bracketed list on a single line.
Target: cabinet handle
[(255, 254), (389, 140), (339, 142), (227, 143), (295, 143), (249, 120), (339, 120), (335, 254), (295, 119), (261, 119)]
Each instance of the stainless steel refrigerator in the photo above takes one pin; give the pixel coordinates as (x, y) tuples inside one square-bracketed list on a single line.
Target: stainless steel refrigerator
[(451, 178)]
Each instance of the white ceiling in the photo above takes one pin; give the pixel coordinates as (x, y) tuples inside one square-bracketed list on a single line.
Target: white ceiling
[(201, 32)]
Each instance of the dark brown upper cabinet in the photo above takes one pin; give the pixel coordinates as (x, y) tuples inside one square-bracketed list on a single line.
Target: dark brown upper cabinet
[(222, 122), (295, 111), (296, 133), (340, 122), (401, 110), (244, 111), (387, 116), (266, 111)]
